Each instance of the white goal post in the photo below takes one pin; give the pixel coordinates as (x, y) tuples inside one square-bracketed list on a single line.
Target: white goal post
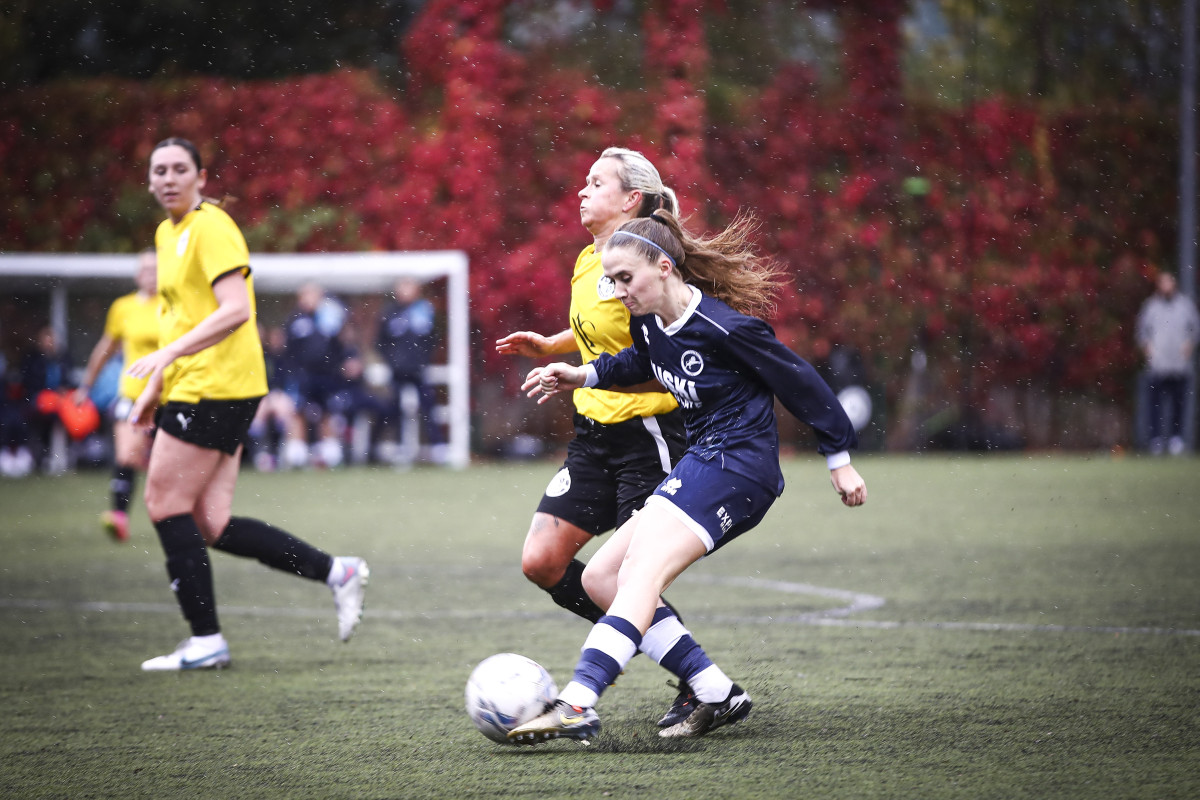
[(274, 273)]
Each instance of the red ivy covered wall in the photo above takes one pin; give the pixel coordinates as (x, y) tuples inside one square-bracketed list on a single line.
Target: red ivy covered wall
[(1010, 244)]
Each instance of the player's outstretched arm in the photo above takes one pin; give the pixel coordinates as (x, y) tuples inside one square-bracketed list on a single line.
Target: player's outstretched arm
[(533, 345), (849, 484)]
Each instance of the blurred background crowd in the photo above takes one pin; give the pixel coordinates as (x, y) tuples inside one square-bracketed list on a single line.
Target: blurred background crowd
[(343, 391)]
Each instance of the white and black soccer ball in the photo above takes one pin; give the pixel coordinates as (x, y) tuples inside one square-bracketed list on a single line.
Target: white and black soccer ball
[(507, 690)]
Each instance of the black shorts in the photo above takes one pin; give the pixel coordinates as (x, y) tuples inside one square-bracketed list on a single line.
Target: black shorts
[(211, 424), (612, 469)]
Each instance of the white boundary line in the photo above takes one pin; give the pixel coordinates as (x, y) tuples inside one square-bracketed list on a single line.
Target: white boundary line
[(857, 601), (854, 602)]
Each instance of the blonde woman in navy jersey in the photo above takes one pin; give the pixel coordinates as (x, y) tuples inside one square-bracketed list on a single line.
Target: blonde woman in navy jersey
[(206, 380), (692, 304), (625, 443)]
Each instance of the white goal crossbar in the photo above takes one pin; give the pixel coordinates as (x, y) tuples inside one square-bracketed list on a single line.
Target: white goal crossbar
[(285, 272)]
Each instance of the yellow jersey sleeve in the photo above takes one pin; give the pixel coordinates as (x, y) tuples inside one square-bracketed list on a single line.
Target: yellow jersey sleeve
[(600, 323), (202, 247)]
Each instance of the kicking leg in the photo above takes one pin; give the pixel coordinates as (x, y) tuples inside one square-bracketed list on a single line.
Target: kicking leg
[(653, 558), (278, 549)]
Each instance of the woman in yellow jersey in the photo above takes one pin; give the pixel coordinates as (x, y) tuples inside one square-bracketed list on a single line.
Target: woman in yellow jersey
[(206, 381), (132, 326), (625, 442)]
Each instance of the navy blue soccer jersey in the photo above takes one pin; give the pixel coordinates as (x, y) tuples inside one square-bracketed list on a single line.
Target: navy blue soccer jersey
[(725, 369)]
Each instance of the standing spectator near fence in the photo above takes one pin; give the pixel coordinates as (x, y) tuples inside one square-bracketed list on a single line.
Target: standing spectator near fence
[(15, 459), (1168, 328), (312, 360), (406, 339), (45, 374), (132, 328)]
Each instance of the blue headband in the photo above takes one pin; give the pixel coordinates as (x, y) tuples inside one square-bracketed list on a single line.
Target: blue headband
[(653, 244)]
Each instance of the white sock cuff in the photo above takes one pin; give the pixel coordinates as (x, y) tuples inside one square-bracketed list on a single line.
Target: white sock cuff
[(711, 685), (663, 636), (611, 642), (577, 694), (337, 572), (211, 640)]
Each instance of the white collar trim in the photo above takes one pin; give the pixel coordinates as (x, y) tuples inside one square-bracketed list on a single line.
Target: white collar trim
[(674, 327)]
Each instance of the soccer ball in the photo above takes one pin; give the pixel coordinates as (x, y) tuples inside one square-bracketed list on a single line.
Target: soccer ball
[(507, 690)]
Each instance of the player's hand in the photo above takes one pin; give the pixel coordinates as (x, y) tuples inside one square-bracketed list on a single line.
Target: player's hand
[(148, 364), (523, 343), (850, 485), (551, 379), (142, 413)]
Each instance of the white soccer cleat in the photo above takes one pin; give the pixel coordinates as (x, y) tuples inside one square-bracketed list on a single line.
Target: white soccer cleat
[(195, 652), (561, 721), (349, 595)]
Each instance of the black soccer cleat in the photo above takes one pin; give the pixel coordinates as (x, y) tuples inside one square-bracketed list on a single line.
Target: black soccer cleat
[(685, 703), (710, 716)]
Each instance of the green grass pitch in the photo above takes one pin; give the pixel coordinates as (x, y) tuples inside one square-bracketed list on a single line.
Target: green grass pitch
[(985, 627)]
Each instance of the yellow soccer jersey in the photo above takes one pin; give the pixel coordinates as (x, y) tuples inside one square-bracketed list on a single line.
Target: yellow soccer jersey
[(133, 321), (202, 247), (601, 325)]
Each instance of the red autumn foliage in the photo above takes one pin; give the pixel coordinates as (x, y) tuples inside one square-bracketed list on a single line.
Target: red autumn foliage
[(1010, 241)]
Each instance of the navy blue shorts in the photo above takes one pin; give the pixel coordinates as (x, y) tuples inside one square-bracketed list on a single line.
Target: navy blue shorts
[(612, 469), (717, 505)]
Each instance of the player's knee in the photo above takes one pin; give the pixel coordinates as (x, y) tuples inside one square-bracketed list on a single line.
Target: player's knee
[(598, 581), (541, 567), (155, 508), (162, 502)]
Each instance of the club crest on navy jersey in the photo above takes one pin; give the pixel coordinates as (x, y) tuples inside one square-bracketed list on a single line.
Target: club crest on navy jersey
[(692, 363)]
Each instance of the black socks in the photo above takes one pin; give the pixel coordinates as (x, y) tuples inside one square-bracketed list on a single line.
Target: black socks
[(278, 549), (190, 572), (122, 486), (569, 594)]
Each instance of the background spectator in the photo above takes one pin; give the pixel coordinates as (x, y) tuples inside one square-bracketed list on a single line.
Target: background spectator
[(45, 371), (277, 434), (1167, 331), (312, 360), (353, 412), (15, 459), (406, 339)]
